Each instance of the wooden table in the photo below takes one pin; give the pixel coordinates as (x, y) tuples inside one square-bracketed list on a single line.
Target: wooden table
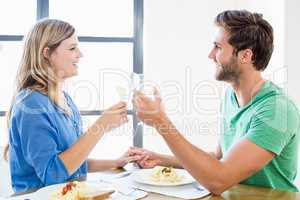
[(241, 192), (238, 192)]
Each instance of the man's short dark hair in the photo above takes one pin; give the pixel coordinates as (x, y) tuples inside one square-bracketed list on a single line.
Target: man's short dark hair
[(248, 31)]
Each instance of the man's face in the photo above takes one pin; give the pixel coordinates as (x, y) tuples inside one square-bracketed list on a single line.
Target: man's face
[(227, 68)]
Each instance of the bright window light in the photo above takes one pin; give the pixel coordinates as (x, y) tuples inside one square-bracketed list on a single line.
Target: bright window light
[(104, 18), (17, 16)]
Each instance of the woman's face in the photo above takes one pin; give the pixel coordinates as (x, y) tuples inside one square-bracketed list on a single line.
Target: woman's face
[(64, 59)]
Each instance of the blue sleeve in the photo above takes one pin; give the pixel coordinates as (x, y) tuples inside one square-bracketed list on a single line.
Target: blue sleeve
[(38, 138)]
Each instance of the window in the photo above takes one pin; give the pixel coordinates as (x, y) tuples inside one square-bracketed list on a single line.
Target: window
[(100, 73), (26, 16), (110, 35), (105, 18), (10, 55)]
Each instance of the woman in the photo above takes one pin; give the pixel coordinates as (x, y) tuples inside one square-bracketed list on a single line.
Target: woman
[(46, 142)]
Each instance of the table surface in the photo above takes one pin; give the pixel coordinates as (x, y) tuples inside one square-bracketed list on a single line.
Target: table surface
[(238, 192), (241, 192)]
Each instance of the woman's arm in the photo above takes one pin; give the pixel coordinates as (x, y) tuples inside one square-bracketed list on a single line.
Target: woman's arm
[(74, 156), (95, 165)]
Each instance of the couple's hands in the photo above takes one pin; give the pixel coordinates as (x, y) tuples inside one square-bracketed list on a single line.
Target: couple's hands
[(143, 157), (128, 157), (150, 111), (147, 159)]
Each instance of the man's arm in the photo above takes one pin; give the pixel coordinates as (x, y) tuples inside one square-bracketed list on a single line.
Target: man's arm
[(151, 159), (167, 160), (244, 159), (218, 153)]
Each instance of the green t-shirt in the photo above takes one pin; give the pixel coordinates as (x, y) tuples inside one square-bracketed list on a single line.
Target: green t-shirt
[(271, 121)]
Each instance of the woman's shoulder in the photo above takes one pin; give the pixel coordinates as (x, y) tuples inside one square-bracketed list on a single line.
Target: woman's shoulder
[(32, 99), (28, 95)]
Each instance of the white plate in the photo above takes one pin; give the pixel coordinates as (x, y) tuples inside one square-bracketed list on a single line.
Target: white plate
[(144, 176), (45, 192)]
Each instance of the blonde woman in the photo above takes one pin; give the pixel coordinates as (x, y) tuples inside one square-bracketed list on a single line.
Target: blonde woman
[(46, 141)]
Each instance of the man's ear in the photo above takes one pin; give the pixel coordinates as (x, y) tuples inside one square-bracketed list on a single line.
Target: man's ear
[(46, 52), (245, 56)]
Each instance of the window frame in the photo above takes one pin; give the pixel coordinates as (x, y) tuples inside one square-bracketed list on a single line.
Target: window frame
[(136, 40)]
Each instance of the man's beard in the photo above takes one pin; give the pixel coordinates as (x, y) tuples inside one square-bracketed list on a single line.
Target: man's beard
[(229, 71)]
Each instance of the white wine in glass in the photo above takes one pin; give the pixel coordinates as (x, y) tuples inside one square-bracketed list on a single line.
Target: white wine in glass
[(122, 93)]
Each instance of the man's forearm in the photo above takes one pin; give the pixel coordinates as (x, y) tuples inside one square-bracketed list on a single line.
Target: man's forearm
[(168, 161), (204, 167), (214, 155)]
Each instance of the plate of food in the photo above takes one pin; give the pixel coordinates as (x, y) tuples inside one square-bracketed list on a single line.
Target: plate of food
[(163, 176), (75, 190)]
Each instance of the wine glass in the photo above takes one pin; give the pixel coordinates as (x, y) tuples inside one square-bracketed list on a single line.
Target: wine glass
[(125, 94), (137, 84), (122, 93)]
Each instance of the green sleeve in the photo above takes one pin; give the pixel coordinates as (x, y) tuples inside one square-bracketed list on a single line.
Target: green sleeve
[(273, 125)]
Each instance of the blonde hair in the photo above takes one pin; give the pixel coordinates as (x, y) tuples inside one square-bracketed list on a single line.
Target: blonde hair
[(34, 71)]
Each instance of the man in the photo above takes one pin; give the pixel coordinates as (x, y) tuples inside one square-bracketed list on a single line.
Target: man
[(260, 127)]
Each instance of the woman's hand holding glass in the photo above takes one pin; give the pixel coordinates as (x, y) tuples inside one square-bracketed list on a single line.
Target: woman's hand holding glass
[(112, 117)]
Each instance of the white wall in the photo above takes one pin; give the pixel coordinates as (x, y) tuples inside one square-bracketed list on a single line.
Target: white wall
[(178, 36), (292, 44), (291, 58)]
